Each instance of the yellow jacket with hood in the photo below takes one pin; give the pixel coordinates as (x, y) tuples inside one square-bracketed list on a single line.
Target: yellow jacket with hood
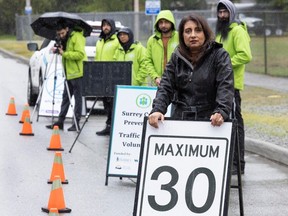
[(155, 51), (237, 44)]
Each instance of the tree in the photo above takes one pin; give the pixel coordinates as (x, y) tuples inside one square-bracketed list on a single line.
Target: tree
[(8, 9)]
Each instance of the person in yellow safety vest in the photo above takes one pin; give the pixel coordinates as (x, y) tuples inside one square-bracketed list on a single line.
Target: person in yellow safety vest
[(161, 45), (105, 50), (130, 50), (234, 36)]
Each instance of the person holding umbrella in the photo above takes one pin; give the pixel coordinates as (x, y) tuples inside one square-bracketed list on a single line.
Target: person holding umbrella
[(70, 44)]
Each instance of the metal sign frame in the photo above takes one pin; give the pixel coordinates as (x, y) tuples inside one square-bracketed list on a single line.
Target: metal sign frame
[(173, 180)]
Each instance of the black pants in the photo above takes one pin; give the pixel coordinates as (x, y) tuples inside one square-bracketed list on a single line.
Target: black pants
[(240, 128), (74, 87), (108, 106)]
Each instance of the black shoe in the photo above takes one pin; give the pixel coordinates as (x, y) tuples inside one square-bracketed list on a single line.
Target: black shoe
[(105, 132), (73, 128), (59, 124)]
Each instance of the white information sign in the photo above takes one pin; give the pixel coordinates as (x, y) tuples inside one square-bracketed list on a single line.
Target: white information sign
[(184, 169), (152, 7), (53, 90), (131, 105)]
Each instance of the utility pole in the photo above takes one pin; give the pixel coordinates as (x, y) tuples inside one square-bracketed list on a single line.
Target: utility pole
[(28, 11), (136, 19)]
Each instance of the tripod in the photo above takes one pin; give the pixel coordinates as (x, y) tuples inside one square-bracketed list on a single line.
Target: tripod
[(47, 69), (86, 119)]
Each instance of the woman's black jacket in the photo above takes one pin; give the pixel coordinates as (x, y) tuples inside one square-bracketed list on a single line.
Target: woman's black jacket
[(202, 90)]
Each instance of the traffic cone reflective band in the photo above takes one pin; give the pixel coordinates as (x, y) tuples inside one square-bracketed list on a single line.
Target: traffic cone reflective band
[(56, 199), (24, 113), (58, 169), (11, 108), (53, 212), (27, 128), (55, 141)]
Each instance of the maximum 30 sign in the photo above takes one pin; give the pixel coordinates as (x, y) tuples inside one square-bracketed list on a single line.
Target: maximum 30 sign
[(182, 175)]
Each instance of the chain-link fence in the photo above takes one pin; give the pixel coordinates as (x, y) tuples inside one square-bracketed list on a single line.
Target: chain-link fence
[(268, 31)]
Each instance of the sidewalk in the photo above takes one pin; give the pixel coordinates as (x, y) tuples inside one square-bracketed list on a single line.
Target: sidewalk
[(266, 81), (265, 149)]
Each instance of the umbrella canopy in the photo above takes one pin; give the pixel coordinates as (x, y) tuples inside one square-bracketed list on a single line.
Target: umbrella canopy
[(45, 26)]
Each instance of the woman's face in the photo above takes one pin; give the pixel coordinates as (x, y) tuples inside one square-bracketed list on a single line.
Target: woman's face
[(123, 37), (193, 35)]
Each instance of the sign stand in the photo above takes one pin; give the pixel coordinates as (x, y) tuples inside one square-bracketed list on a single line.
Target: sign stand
[(54, 96), (184, 169), (239, 180), (131, 104), (99, 80), (86, 119)]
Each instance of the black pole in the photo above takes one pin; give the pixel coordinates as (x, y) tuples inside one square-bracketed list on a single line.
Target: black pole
[(86, 119), (265, 45)]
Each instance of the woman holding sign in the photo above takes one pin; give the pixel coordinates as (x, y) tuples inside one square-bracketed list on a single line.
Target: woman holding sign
[(198, 79)]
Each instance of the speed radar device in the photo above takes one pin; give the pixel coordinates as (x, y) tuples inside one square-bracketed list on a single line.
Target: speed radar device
[(100, 79)]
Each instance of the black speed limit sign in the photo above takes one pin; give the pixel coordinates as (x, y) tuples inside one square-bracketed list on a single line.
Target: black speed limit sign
[(183, 169)]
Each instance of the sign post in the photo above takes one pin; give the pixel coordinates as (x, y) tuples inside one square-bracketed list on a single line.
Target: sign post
[(152, 8), (28, 11), (52, 89), (131, 105), (184, 169)]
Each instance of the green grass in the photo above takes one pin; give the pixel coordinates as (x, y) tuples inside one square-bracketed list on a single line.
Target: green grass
[(10, 44), (7, 37), (277, 49), (265, 111)]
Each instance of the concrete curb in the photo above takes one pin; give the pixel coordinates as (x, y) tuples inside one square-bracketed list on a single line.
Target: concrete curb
[(267, 150), (15, 56)]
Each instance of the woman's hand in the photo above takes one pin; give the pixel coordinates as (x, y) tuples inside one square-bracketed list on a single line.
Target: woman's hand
[(157, 81), (216, 119), (154, 118)]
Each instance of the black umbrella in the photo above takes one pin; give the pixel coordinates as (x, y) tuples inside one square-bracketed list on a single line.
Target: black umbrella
[(45, 25)]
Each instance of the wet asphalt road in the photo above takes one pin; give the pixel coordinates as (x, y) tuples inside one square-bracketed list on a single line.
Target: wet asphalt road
[(25, 166)]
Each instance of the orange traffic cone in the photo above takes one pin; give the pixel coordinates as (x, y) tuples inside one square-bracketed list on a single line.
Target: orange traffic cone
[(53, 212), (55, 141), (11, 108), (27, 128), (56, 199), (58, 169), (24, 113)]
